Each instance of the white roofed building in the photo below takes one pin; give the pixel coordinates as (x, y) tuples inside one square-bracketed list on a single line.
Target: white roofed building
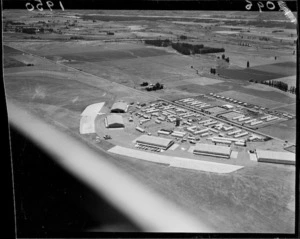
[(154, 141), (119, 107), (114, 121), (269, 156), (212, 150)]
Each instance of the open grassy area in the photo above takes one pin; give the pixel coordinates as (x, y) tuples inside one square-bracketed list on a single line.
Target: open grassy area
[(250, 74), (258, 192), (11, 62), (111, 55), (267, 99), (285, 130)]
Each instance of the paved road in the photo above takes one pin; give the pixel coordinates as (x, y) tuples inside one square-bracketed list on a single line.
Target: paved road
[(155, 97)]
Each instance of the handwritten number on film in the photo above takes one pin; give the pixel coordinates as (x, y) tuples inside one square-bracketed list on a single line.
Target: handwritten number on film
[(39, 5), (270, 5)]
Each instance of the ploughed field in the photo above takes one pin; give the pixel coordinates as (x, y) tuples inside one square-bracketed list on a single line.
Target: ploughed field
[(262, 72)]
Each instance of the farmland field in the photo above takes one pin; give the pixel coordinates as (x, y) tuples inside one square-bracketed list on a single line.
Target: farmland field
[(250, 74), (195, 88), (284, 130), (11, 62), (263, 98), (290, 109), (110, 55), (285, 68)]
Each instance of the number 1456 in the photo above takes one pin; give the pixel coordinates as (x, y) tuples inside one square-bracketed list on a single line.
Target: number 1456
[(39, 5)]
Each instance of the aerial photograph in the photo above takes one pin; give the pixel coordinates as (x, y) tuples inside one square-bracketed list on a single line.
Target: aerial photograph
[(196, 109)]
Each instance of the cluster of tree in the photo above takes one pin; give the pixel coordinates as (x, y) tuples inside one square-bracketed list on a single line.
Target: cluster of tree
[(157, 86), (185, 48), (264, 38), (277, 31), (144, 84), (160, 43), (14, 23), (212, 71), (225, 58), (29, 30), (277, 84), (188, 49), (183, 37), (76, 38), (244, 44), (32, 37), (196, 49), (182, 48), (206, 50), (293, 89)]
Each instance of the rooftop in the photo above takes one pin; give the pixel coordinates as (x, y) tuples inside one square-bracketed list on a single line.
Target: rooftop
[(215, 149), (275, 155), (154, 140), (114, 118)]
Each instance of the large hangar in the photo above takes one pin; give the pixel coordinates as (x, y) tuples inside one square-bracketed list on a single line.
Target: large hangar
[(114, 121), (119, 107), (154, 141), (212, 150), (268, 156)]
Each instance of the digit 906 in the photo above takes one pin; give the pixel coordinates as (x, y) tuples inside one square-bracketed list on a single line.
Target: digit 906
[(270, 5)]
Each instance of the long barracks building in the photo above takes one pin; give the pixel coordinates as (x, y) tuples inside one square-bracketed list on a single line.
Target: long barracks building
[(154, 141)]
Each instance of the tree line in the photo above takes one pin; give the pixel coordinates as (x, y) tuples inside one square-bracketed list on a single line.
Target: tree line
[(280, 85), (185, 48)]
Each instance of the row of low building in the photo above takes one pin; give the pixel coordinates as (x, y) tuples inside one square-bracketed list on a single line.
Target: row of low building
[(210, 125), (269, 118), (253, 121), (217, 150), (228, 99), (199, 149), (268, 156), (193, 103), (247, 120), (256, 107)]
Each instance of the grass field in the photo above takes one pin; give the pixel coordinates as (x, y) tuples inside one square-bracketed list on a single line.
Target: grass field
[(11, 62), (8, 50), (285, 130), (110, 55), (284, 68), (198, 89), (261, 72), (289, 109), (249, 74), (252, 191)]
